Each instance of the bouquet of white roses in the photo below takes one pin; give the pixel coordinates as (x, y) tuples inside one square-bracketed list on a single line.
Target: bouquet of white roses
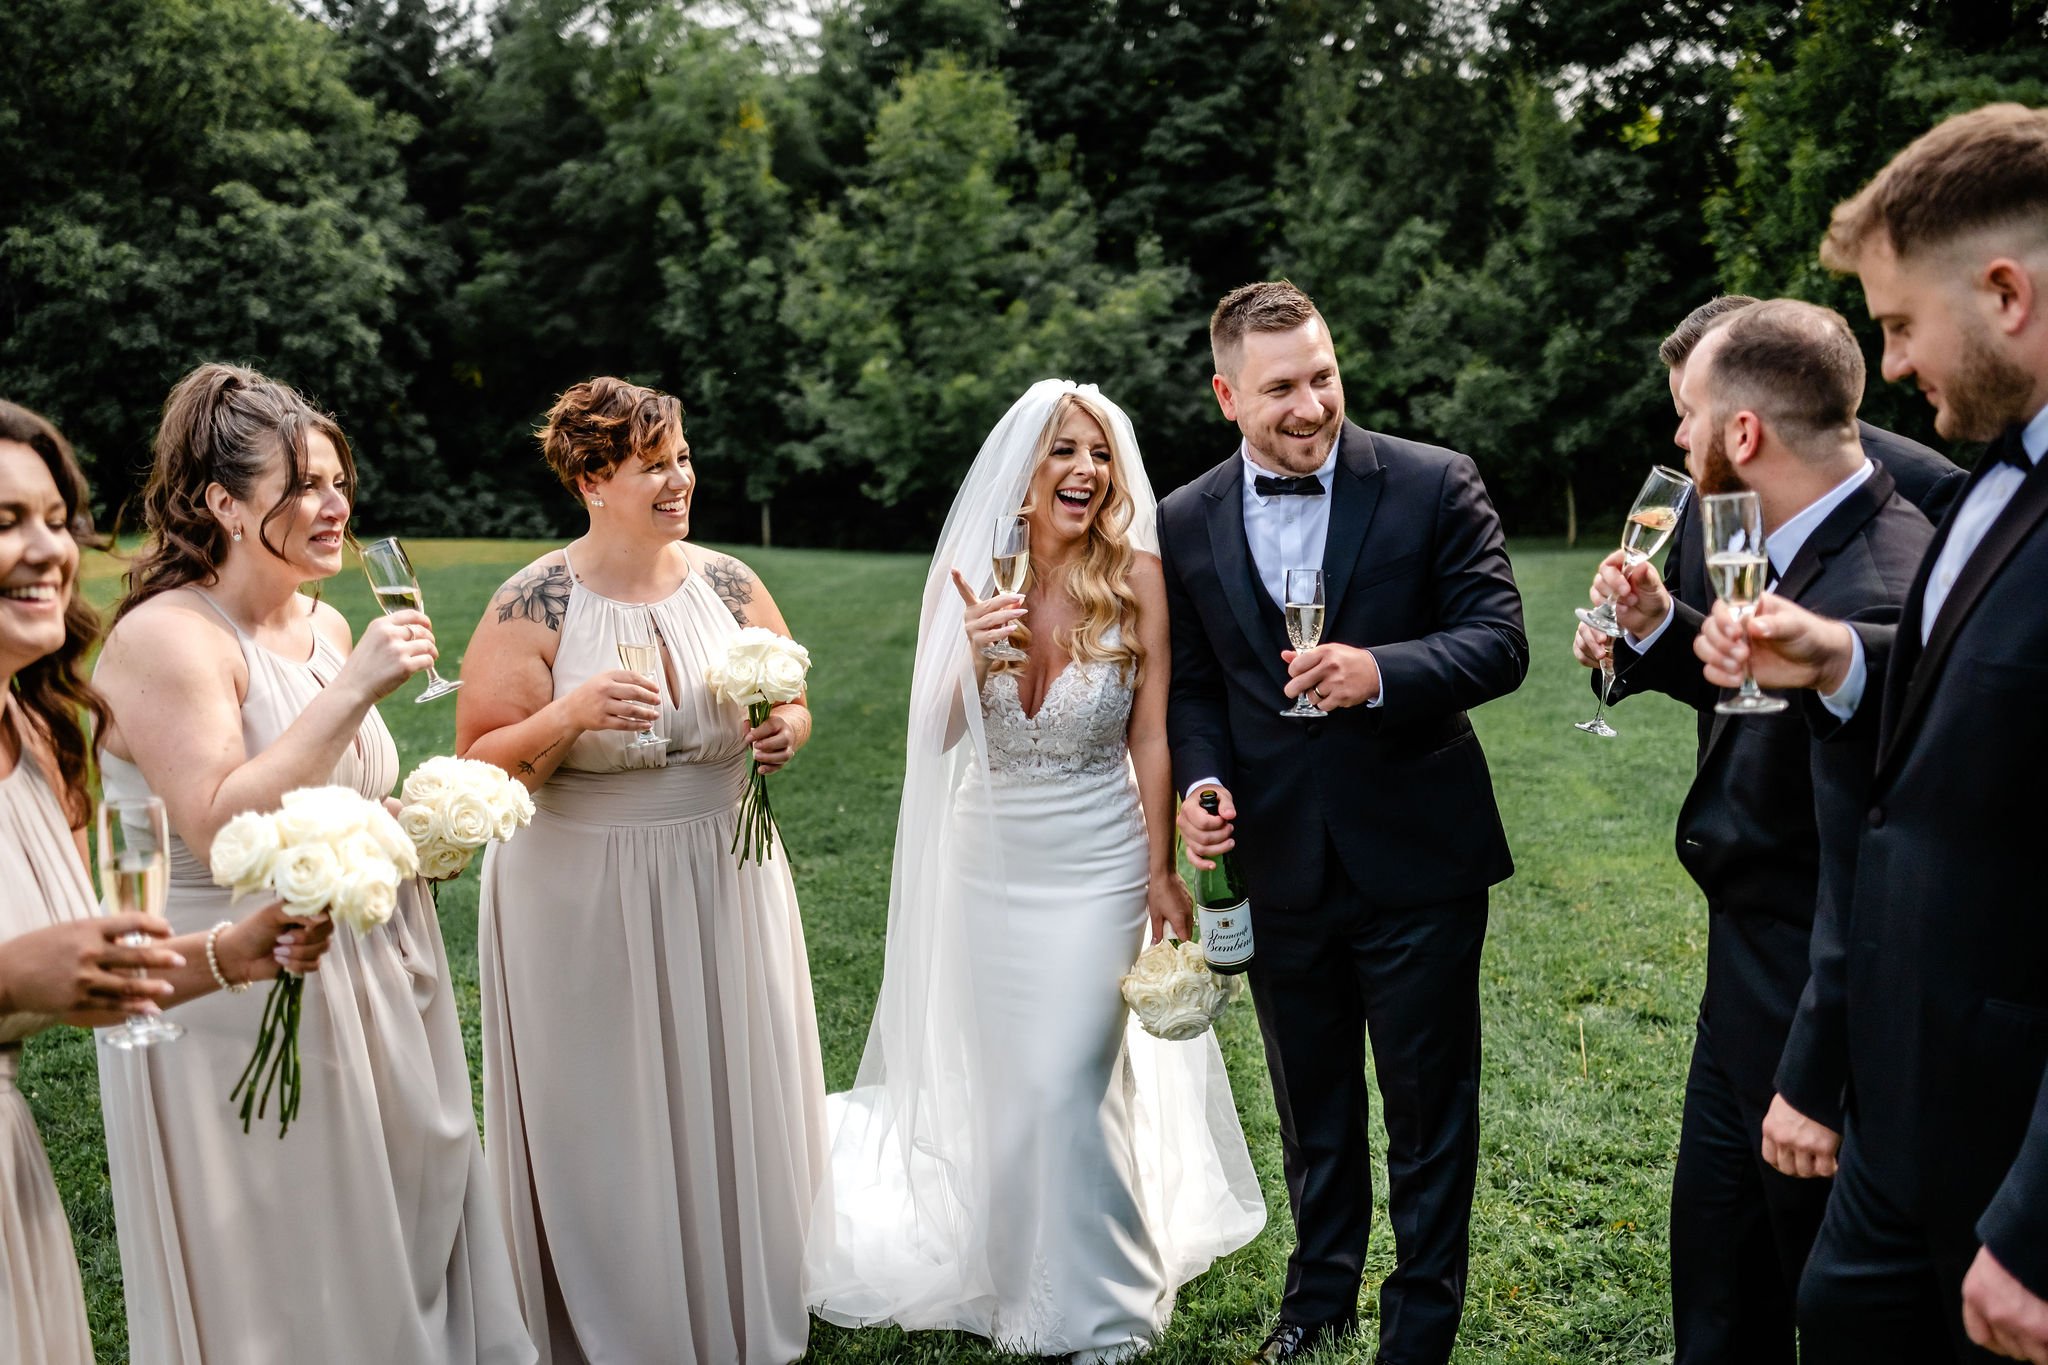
[(761, 671), (1173, 992), (325, 850), (451, 807)]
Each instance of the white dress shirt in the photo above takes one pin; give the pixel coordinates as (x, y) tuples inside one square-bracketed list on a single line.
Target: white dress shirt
[(1288, 530), (1969, 524), (1781, 546), (1284, 531)]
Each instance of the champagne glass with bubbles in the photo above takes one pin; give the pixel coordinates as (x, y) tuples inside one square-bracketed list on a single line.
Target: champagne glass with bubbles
[(134, 838), (398, 589), (1738, 566), (1650, 523), (1012, 554), (640, 652), (1304, 609)]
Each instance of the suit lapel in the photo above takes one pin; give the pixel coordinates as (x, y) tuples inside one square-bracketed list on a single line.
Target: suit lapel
[(1835, 531), (1231, 553), (1913, 684), (1354, 497)]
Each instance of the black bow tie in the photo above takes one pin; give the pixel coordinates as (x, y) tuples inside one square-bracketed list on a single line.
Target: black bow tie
[(2010, 449), (1307, 486)]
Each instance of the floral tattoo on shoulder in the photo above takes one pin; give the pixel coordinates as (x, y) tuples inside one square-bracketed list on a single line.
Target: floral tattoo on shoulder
[(539, 594), (733, 583)]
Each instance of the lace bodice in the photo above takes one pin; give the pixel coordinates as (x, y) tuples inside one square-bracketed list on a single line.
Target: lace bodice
[(1079, 730)]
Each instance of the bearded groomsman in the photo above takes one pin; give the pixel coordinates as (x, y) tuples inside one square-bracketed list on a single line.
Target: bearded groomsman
[(1769, 395), (1368, 837), (1935, 1244)]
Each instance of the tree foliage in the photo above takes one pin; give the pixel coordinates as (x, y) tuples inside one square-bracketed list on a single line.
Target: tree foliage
[(848, 246)]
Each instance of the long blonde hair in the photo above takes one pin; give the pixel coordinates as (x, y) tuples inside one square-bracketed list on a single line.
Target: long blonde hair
[(1100, 582)]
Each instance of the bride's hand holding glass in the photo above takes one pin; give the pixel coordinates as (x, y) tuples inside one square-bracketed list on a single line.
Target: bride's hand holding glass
[(990, 621)]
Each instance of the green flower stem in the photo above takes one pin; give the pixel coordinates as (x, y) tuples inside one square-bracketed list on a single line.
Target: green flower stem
[(275, 1063), (754, 835)]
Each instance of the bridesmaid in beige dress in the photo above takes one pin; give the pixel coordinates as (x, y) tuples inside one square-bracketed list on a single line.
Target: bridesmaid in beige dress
[(652, 1083), (57, 960), (367, 1233)]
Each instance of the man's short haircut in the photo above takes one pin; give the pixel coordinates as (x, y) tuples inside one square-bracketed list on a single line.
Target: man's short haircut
[(1268, 306), (1984, 169), (1794, 364), (1686, 335)]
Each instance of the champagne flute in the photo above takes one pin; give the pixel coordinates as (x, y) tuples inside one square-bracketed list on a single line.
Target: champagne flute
[(1650, 523), (1738, 567), (1598, 725), (135, 870), (640, 652), (1012, 553), (398, 589), (1304, 608)]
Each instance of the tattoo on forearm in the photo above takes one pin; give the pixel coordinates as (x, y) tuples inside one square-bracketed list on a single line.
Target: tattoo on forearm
[(525, 766), (733, 584), (539, 594)]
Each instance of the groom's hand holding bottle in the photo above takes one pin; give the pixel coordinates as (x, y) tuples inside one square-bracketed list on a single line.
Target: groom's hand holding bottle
[(1334, 676), (1207, 836)]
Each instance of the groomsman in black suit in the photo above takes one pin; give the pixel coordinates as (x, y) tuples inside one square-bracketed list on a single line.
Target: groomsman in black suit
[(1368, 837), (1932, 969), (1769, 397)]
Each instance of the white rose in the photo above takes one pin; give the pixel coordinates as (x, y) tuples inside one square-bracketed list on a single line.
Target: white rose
[(441, 860), (420, 823), (244, 851), (307, 877), (1173, 993), (429, 782), (316, 814), (742, 679), (714, 678), (469, 820), (783, 673), (368, 894)]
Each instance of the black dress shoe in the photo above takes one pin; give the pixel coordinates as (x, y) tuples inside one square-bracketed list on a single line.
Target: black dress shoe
[(1294, 1341)]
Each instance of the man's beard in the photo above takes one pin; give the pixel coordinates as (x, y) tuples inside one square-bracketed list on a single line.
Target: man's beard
[(1717, 471), (1986, 393), (1272, 458)]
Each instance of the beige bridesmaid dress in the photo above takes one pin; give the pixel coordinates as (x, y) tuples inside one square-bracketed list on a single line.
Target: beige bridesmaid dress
[(367, 1233), (42, 882), (652, 1083)]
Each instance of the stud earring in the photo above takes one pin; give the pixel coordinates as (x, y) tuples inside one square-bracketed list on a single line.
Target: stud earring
[(238, 533), (597, 502)]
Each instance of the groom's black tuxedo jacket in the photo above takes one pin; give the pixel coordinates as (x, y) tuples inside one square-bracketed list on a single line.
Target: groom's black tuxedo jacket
[(1749, 832), (1415, 569), (1931, 972)]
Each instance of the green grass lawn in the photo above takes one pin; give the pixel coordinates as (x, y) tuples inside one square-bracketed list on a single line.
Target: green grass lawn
[(1591, 975)]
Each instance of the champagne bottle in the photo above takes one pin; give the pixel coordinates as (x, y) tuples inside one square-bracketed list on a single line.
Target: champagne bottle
[(1222, 910)]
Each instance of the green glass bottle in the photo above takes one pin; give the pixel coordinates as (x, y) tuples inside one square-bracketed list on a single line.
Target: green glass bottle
[(1222, 910)]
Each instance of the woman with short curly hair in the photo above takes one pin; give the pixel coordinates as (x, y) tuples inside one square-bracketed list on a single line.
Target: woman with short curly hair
[(652, 1084)]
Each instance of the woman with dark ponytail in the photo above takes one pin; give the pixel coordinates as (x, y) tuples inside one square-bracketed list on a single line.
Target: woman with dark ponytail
[(368, 1232), (57, 959)]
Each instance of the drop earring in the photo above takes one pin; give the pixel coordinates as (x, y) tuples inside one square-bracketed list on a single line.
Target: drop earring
[(238, 534)]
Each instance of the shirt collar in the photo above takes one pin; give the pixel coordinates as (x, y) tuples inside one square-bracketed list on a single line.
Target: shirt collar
[(1254, 470), (1784, 543), (2034, 436)]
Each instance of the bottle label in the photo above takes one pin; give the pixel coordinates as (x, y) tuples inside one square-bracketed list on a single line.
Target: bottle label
[(1226, 933)]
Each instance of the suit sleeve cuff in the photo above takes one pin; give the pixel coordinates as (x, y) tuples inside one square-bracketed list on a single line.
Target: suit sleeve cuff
[(1642, 645), (1379, 697)]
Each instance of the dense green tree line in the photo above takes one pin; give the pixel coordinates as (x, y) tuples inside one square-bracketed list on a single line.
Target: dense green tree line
[(847, 238)]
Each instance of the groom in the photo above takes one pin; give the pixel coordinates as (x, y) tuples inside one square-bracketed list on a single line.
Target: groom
[(1369, 837)]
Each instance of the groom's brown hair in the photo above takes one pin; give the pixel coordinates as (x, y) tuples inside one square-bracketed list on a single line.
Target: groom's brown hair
[(1268, 306)]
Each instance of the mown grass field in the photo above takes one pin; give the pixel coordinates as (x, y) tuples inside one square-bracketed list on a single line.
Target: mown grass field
[(1591, 974)]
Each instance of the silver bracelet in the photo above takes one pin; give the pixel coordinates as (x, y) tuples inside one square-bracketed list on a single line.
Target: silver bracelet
[(213, 960)]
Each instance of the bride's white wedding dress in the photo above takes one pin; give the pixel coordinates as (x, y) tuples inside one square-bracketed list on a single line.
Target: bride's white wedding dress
[(1018, 1159)]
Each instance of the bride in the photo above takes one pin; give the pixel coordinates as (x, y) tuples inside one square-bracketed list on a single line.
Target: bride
[(1016, 1158)]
